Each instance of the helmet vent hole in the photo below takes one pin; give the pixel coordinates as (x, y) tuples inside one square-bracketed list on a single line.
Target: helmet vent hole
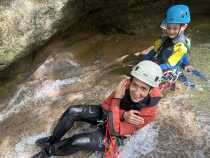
[(182, 15), (136, 68), (156, 79)]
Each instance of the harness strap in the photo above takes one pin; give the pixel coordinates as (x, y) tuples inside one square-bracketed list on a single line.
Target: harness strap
[(110, 143), (169, 79)]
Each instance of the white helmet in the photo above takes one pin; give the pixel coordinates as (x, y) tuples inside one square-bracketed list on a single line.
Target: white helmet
[(148, 72)]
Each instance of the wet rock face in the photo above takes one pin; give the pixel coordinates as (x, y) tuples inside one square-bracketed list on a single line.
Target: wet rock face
[(26, 25), (132, 17)]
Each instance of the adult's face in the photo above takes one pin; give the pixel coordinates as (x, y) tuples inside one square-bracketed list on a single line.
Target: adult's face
[(138, 90)]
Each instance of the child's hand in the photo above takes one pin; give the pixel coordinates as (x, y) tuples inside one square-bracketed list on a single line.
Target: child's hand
[(188, 68), (120, 90)]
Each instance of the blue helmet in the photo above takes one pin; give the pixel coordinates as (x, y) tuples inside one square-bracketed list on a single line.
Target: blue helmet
[(177, 14)]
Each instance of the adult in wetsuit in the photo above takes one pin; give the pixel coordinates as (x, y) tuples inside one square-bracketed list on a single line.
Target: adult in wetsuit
[(130, 107)]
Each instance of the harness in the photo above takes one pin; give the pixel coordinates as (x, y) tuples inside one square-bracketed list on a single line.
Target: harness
[(111, 143), (169, 79), (171, 76)]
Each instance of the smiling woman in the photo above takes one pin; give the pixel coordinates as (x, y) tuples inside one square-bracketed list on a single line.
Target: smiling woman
[(117, 121)]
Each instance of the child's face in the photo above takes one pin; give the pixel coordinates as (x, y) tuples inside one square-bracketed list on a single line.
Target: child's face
[(172, 30)]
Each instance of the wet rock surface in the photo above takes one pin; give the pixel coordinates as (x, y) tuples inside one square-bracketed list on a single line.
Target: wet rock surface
[(27, 25), (180, 130)]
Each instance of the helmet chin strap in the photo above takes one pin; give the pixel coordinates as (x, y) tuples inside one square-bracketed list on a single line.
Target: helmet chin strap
[(180, 30)]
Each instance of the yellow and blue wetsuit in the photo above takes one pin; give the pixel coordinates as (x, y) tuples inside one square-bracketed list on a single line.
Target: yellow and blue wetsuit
[(170, 53)]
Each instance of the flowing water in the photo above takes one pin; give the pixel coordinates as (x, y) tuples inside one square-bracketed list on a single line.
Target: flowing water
[(85, 69)]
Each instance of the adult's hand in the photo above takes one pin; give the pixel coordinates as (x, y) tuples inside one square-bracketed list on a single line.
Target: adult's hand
[(120, 90), (133, 117)]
